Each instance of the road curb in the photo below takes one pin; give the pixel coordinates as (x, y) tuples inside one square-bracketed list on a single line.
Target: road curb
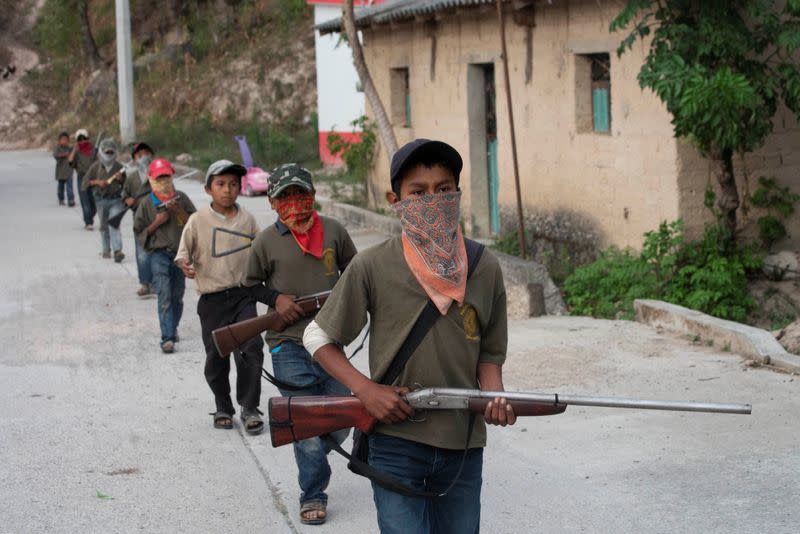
[(748, 341), (518, 274)]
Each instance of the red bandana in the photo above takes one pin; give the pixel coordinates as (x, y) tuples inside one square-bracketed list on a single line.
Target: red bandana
[(311, 241), (85, 147), (298, 214)]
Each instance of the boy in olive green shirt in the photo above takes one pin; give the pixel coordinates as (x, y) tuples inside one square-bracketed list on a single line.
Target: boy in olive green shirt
[(464, 348), (158, 225), (63, 169), (301, 254), (104, 180)]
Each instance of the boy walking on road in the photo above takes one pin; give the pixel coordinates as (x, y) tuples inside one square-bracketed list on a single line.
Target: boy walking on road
[(135, 185), (158, 225), (223, 300), (301, 254), (464, 347), (81, 158), (104, 180), (63, 169)]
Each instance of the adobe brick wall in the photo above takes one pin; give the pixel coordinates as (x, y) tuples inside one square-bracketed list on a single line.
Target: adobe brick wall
[(624, 183)]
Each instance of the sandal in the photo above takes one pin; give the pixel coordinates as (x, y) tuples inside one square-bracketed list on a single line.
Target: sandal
[(313, 506), (251, 419), (222, 420)]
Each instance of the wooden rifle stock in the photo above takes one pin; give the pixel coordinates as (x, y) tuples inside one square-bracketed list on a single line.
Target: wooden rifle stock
[(230, 337), (296, 418)]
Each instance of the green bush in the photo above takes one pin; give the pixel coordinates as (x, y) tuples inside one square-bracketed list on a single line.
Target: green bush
[(607, 287), (57, 29), (708, 275), (270, 145), (357, 156)]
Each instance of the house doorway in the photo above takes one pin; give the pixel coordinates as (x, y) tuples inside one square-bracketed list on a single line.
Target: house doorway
[(485, 176)]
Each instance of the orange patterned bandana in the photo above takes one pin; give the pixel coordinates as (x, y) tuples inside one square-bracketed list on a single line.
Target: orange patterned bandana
[(433, 245)]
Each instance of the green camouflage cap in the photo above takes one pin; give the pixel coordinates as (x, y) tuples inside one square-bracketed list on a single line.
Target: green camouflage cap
[(287, 175)]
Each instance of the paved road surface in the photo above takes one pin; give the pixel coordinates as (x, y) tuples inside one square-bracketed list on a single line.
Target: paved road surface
[(101, 432)]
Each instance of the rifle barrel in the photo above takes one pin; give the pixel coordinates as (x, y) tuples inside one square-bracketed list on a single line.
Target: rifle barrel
[(447, 397)]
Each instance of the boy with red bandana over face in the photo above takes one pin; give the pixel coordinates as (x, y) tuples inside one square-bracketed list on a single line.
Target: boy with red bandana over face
[(464, 348), (158, 225), (81, 158), (301, 254)]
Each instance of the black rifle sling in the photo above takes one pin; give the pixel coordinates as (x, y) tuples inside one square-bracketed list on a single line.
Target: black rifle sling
[(357, 463)]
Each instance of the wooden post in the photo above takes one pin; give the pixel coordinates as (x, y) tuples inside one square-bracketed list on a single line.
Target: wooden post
[(521, 226)]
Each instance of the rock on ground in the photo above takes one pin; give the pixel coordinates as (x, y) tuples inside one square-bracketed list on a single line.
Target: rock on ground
[(789, 337)]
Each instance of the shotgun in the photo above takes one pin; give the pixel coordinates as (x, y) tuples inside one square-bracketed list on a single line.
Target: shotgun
[(230, 337), (293, 419)]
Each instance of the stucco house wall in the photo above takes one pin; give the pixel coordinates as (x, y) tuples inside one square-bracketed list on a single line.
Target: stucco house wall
[(611, 188)]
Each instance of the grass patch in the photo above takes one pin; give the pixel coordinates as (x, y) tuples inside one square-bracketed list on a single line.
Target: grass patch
[(270, 145)]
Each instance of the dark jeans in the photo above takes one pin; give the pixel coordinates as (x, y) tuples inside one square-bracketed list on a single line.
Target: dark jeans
[(143, 264), (170, 285), (294, 365), (87, 203), (431, 469), (68, 185), (217, 310)]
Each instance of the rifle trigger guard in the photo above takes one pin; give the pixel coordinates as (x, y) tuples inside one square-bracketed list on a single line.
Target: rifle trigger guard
[(423, 416)]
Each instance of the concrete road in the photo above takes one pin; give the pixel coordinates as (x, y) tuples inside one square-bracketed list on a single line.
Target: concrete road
[(101, 432)]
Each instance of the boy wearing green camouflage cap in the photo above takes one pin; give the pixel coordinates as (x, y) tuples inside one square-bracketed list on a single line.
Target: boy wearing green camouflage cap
[(301, 254)]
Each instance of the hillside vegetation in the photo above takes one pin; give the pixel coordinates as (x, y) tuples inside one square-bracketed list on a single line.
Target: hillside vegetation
[(203, 70)]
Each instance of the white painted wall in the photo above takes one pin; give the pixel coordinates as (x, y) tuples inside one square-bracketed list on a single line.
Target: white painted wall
[(338, 102)]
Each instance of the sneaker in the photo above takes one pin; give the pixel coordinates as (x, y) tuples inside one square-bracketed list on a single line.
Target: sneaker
[(71, 204), (118, 256), (143, 291), (60, 202), (106, 255), (88, 227), (168, 347)]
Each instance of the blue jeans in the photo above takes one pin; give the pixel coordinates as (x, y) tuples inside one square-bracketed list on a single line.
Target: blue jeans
[(110, 237), (426, 468), (143, 264), (70, 195), (87, 203), (170, 285), (294, 365)]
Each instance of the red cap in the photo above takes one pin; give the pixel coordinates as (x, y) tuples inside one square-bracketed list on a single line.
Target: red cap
[(159, 167)]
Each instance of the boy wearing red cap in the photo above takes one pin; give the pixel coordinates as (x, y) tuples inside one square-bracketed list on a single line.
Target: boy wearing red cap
[(158, 225)]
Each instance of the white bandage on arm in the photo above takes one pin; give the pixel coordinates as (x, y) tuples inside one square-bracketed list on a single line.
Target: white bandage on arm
[(315, 338)]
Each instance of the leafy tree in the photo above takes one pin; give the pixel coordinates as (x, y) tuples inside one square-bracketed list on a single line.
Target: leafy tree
[(722, 67)]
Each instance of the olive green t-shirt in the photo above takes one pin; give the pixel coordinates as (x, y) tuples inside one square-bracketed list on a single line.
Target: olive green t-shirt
[(379, 281), (81, 162), (168, 235), (98, 172), (277, 261)]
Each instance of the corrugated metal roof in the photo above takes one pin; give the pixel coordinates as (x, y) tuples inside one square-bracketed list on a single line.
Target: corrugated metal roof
[(397, 10)]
